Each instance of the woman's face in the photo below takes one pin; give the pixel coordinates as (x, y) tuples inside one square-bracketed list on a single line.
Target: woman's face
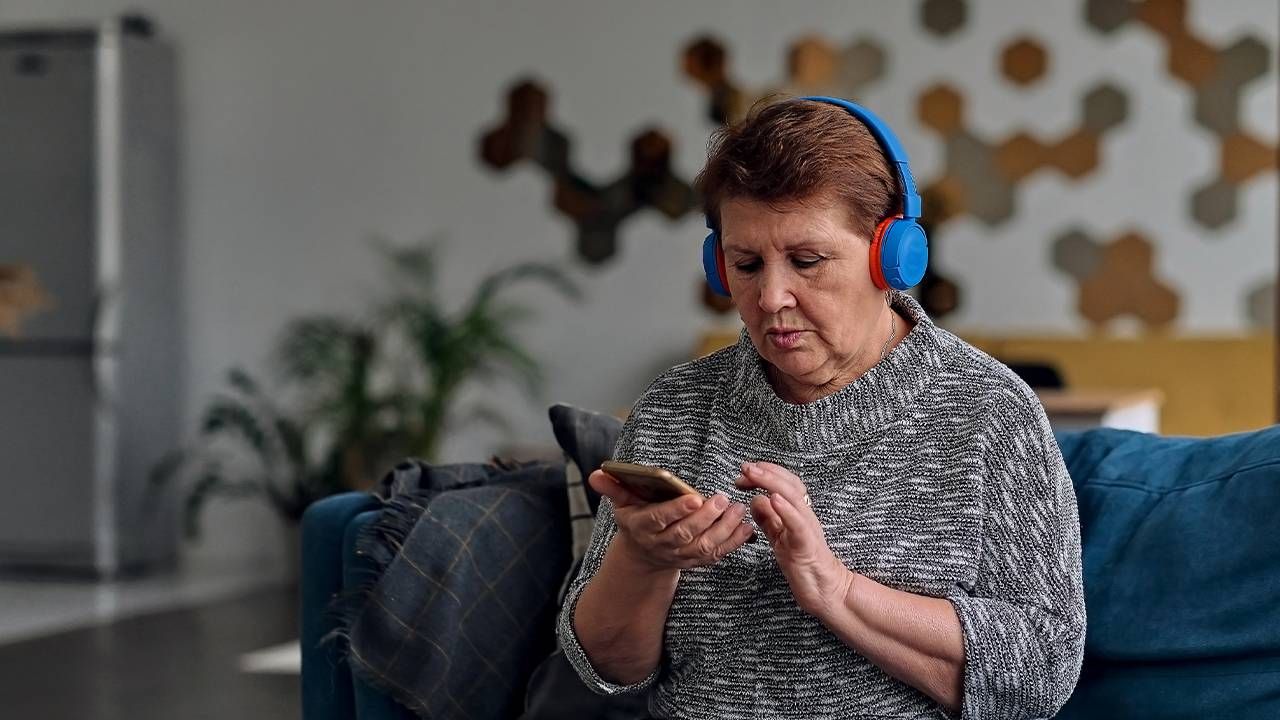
[(800, 278)]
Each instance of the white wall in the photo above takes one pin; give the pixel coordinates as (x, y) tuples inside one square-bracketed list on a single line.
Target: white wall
[(310, 126)]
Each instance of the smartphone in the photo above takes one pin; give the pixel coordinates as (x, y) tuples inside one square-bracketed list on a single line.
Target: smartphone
[(652, 484)]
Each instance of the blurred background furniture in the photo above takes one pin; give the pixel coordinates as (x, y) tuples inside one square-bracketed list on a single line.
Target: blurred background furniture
[(330, 564), (88, 364), (1122, 409), (1208, 385)]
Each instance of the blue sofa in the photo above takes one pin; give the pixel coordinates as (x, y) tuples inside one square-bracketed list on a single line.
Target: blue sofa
[(1181, 572)]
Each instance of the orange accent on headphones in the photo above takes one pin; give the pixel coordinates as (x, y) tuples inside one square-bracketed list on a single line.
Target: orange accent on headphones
[(877, 242)]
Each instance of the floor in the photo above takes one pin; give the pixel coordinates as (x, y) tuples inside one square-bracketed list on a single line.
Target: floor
[(178, 664), (34, 607)]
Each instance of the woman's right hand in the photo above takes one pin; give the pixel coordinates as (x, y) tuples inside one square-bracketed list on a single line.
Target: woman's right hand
[(678, 534)]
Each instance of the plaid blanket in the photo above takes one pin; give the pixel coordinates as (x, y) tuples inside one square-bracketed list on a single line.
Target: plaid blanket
[(469, 560)]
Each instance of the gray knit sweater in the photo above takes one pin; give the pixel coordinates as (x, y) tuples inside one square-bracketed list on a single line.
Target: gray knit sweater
[(935, 473)]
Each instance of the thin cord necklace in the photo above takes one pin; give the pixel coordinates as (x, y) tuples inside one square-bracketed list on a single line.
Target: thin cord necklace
[(893, 329)]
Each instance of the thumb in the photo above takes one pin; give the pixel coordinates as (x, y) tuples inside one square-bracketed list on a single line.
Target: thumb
[(605, 484)]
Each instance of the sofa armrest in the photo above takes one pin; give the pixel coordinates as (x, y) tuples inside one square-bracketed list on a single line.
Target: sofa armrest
[(327, 692)]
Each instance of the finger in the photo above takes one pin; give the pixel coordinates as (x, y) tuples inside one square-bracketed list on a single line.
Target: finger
[(737, 539), (661, 515), (774, 469), (792, 518), (607, 485), (787, 511), (766, 517), (708, 541), (743, 535), (781, 475), (684, 531), (732, 533), (773, 479)]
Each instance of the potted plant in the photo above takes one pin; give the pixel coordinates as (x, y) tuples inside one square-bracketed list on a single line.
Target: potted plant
[(358, 395)]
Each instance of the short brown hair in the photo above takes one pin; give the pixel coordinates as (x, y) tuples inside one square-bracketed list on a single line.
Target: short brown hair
[(788, 150)]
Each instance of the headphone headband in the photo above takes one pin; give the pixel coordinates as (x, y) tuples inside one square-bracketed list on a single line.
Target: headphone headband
[(888, 143)]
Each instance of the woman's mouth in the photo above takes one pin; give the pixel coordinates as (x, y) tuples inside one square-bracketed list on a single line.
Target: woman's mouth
[(784, 339)]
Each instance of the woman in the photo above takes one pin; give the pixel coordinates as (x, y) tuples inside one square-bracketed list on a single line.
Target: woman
[(917, 544)]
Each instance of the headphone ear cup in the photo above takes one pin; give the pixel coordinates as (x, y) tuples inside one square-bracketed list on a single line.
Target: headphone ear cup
[(876, 259), (903, 253), (713, 265)]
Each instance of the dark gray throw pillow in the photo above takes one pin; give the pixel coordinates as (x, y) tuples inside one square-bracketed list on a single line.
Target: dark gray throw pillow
[(587, 438), (555, 691)]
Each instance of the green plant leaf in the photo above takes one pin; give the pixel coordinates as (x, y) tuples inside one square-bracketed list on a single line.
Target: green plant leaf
[(226, 416), (292, 440), (544, 273), (316, 348), (327, 365), (413, 270), (240, 379), (167, 468)]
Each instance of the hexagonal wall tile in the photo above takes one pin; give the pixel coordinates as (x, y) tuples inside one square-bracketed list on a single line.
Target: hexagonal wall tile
[(860, 64), (1260, 306), (1076, 254), (1107, 15), (1214, 205), (1105, 107), (812, 62), (1123, 284), (941, 108), (1024, 61), (943, 17)]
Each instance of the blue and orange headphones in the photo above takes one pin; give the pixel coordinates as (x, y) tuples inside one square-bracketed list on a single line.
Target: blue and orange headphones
[(899, 250)]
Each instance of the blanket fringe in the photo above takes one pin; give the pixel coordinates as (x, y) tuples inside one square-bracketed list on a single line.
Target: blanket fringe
[(379, 542)]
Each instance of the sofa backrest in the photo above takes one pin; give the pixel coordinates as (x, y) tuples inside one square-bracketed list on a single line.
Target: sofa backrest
[(1181, 549)]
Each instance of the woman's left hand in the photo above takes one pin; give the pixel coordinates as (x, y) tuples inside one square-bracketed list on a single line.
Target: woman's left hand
[(817, 577)]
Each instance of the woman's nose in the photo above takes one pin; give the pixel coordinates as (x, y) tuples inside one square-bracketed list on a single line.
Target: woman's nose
[(775, 292)]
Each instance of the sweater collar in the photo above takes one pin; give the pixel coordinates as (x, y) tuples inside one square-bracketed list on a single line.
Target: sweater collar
[(862, 406)]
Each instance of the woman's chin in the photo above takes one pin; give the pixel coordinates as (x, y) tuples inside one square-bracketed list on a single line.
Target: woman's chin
[(792, 363)]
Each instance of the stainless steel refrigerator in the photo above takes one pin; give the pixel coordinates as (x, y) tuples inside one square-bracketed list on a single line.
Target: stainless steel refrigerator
[(89, 291)]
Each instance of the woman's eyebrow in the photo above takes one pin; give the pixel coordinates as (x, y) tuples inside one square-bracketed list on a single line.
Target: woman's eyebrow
[(804, 242)]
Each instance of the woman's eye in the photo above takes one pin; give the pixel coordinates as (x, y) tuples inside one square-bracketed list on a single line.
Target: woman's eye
[(748, 267), (805, 262)]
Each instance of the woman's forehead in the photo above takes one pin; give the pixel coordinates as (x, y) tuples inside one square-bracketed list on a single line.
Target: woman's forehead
[(750, 225)]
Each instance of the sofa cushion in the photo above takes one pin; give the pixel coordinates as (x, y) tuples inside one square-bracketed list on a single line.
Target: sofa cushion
[(555, 690), (1181, 572), (587, 439)]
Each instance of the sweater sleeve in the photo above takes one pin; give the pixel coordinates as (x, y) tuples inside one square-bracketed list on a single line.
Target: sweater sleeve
[(1024, 618), (601, 536)]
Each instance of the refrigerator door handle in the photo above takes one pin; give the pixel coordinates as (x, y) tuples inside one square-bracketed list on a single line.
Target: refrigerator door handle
[(104, 314)]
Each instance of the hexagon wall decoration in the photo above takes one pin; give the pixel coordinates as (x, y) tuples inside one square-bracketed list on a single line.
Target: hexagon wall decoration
[(1024, 61), (1217, 77), (597, 209), (813, 67), (1116, 279), (981, 176)]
